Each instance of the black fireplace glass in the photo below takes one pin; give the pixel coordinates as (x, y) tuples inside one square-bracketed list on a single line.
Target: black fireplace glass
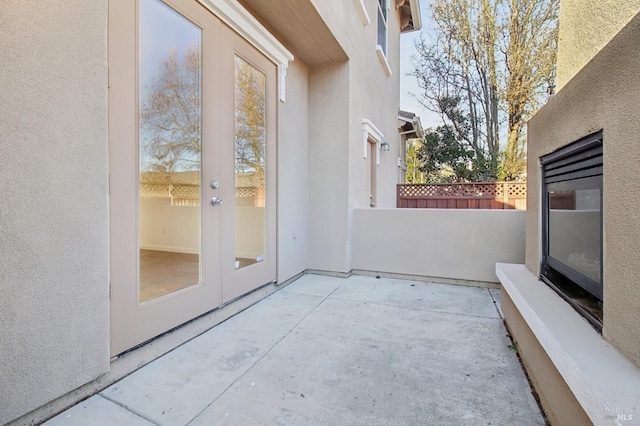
[(572, 217), (575, 239)]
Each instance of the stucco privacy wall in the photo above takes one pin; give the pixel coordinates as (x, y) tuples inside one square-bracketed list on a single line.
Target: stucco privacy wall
[(54, 323), (603, 95), (452, 244), (585, 28)]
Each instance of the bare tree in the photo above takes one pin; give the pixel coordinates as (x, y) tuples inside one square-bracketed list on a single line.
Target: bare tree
[(530, 58), (250, 121), (170, 116), (459, 78), (484, 69)]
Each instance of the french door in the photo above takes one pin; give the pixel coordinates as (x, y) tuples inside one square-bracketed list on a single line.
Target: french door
[(192, 133)]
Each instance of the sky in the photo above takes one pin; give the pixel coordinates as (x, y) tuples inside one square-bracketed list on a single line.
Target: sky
[(408, 85)]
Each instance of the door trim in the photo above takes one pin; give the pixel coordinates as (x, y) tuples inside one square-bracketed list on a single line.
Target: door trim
[(122, 87), (246, 26)]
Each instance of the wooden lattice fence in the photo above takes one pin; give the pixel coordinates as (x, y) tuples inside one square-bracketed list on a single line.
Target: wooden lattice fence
[(480, 195), (186, 194)]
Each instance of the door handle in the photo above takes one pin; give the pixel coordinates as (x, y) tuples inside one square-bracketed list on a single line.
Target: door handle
[(215, 201)]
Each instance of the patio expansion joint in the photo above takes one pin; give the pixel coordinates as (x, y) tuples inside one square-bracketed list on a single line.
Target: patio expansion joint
[(261, 357), (496, 304), (126, 408)]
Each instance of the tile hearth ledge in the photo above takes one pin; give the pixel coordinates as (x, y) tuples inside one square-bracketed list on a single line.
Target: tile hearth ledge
[(602, 380)]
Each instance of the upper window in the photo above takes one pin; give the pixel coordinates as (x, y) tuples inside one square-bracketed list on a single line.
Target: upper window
[(383, 15)]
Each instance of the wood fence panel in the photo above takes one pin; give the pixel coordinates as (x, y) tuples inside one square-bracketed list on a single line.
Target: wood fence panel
[(477, 195)]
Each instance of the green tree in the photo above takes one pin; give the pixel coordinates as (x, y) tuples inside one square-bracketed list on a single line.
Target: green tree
[(414, 174), (445, 160)]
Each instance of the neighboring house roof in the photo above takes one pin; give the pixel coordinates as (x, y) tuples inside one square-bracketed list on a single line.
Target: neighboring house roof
[(410, 124), (410, 18)]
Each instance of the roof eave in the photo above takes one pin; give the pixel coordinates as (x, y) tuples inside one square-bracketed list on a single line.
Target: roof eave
[(416, 17)]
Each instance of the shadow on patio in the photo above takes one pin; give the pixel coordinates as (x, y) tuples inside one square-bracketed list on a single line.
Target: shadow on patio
[(327, 350)]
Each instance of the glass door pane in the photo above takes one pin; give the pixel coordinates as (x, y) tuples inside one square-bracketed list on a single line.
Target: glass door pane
[(170, 99), (250, 149)]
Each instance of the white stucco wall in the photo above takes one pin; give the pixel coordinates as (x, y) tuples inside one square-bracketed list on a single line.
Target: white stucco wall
[(440, 243), (54, 321)]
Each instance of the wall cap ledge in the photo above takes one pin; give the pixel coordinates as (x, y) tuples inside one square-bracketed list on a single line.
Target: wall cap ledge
[(603, 381)]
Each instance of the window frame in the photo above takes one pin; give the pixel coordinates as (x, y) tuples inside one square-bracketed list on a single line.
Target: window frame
[(383, 17), (381, 50)]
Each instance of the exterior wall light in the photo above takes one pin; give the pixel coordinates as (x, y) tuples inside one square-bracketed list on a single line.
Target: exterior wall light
[(385, 146)]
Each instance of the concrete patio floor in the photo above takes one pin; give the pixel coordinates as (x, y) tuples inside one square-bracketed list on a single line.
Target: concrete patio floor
[(333, 351)]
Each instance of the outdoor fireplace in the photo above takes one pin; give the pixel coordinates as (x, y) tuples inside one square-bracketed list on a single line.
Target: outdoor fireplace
[(572, 225)]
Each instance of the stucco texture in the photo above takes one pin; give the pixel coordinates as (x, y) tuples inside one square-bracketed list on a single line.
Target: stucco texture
[(440, 243), (585, 28), (54, 323), (293, 178), (328, 167), (605, 95)]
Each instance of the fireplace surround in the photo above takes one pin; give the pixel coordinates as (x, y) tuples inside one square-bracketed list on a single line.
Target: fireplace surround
[(571, 195), (581, 375)]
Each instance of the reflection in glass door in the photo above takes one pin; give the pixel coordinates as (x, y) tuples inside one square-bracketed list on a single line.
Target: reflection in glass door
[(190, 102), (250, 173), (169, 112)]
